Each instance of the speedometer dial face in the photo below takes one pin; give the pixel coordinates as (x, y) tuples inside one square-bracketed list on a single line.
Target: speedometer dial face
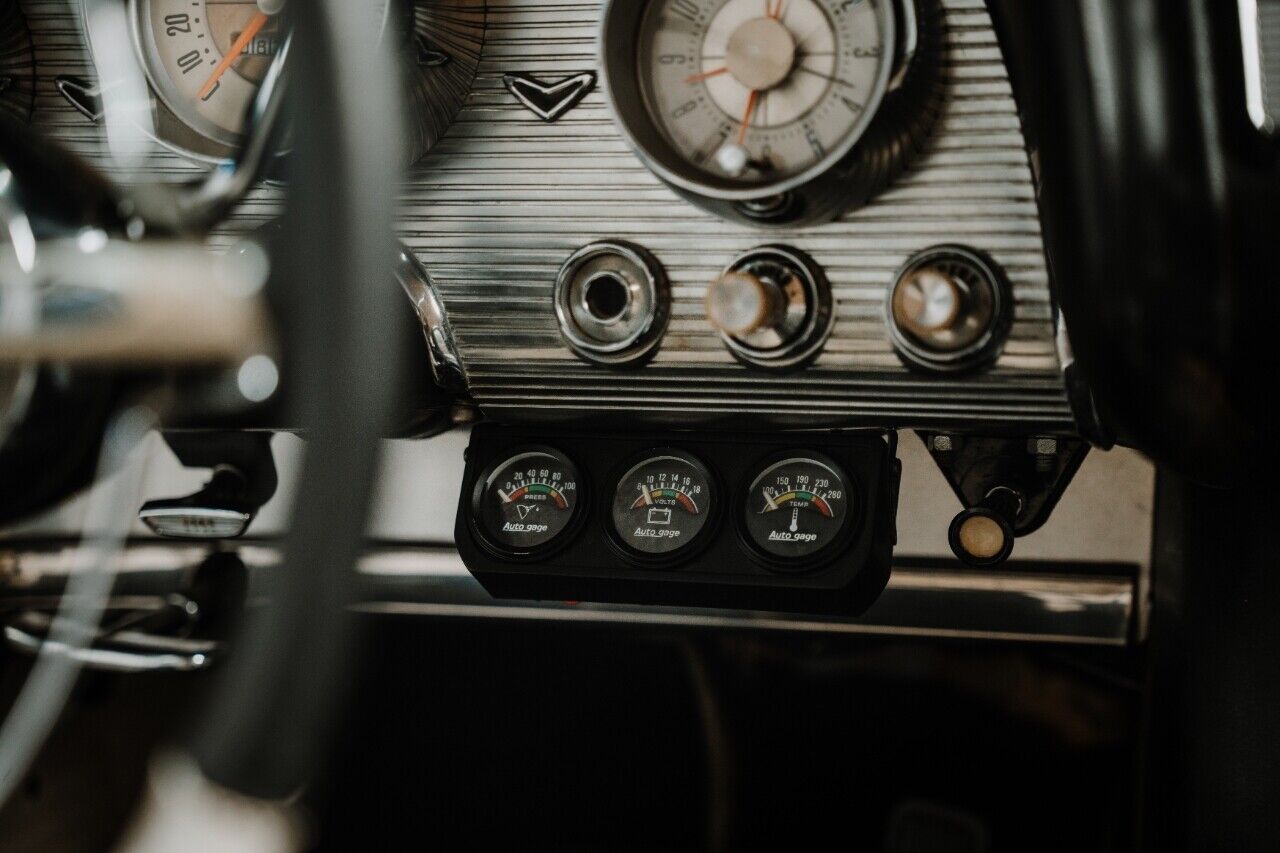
[(206, 59), (528, 501), (663, 503), (796, 508), (757, 95)]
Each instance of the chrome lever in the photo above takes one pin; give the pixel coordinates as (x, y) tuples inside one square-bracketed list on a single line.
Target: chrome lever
[(138, 652), (124, 647)]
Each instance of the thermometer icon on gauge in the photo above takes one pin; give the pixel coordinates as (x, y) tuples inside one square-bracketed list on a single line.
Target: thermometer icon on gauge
[(797, 507)]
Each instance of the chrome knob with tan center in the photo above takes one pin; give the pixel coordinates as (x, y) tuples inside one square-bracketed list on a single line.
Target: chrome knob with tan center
[(949, 309), (740, 304), (772, 308), (761, 54), (927, 301)]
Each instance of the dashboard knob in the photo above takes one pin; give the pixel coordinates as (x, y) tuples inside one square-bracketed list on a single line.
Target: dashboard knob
[(772, 307), (739, 303), (982, 536), (949, 310), (928, 301)]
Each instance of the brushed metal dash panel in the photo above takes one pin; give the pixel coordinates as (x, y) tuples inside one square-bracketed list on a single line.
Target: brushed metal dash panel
[(506, 198)]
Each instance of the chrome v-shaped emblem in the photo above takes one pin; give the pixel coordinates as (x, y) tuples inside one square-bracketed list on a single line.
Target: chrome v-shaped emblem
[(549, 101)]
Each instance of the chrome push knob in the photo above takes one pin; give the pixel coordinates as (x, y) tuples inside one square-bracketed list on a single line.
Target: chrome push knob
[(772, 308), (740, 304), (949, 310), (928, 302)]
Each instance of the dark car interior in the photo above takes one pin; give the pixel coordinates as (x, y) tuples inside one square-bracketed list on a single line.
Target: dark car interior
[(638, 425)]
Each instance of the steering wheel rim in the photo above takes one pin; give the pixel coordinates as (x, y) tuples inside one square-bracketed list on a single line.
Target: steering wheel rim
[(262, 731)]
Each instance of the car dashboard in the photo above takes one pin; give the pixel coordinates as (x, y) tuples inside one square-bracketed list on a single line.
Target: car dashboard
[(506, 198), (589, 295)]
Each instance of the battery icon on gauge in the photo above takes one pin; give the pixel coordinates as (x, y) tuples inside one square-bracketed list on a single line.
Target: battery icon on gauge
[(662, 504), (659, 515)]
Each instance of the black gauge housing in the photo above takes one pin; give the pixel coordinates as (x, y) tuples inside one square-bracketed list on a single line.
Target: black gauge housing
[(718, 569)]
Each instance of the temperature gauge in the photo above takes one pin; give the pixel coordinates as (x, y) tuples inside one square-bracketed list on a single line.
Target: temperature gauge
[(662, 504), (797, 508), (525, 503)]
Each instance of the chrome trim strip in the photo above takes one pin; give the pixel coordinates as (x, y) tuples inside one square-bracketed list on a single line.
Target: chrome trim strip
[(1050, 603)]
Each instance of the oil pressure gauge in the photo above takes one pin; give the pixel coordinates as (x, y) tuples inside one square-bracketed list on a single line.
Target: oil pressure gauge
[(798, 509), (663, 504), (526, 503)]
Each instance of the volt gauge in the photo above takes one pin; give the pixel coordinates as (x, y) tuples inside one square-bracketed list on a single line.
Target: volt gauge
[(663, 504), (528, 502), (798, 508)]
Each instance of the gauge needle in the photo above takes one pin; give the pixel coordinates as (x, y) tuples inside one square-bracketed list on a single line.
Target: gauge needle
[(752, 99), (255, 26), (697, 78)]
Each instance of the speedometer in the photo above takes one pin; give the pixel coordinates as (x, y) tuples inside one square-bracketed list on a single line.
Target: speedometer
[(206, 59)]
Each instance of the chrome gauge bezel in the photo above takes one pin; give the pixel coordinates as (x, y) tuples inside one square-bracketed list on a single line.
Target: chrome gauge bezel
[(620, 45), (854, 519), (184, 132), (202, 129), (686, 551)]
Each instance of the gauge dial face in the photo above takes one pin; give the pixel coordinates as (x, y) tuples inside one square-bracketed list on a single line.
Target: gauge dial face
[(663, 503), (797, 507), (206, 58), (761, 95), (526, 502)]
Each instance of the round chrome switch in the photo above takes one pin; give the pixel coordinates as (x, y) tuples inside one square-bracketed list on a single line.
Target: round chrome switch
[(612, 302), (949, 310), (772, 308)]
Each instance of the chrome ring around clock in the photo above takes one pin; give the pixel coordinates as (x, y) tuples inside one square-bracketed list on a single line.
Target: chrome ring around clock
[(620, 50)]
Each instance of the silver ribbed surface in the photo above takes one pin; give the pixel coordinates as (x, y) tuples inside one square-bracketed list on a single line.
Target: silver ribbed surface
[(505, 198)]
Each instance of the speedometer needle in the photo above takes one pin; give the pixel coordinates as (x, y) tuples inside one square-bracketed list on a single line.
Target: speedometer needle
[(255, 26)]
